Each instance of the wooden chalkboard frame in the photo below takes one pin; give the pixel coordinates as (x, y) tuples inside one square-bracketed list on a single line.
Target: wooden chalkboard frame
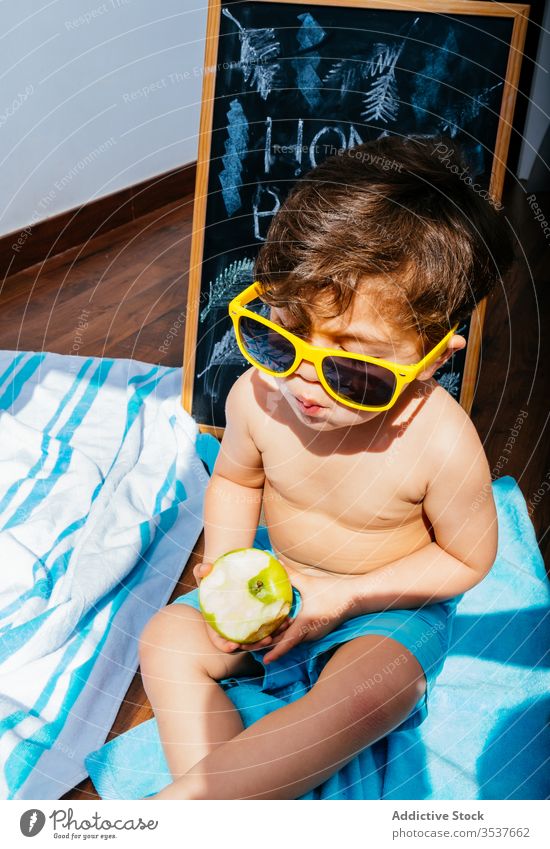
[(518, 12)]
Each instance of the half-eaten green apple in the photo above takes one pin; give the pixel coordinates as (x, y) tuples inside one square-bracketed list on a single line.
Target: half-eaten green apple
[(246, 595)]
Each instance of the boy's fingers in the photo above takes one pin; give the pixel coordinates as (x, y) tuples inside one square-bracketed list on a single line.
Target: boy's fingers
[(259, 645), (282, 627), (220, 642), (278, 634), (201, 570), (293, 636)]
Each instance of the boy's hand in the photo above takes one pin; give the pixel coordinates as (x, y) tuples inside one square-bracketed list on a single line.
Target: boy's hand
[(200, 571), (327, 601)]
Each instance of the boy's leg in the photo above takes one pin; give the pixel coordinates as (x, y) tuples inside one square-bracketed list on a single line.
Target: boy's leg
[(180, 667), (295, 748)]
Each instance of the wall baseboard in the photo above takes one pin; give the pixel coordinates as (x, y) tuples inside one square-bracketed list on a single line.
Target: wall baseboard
[(28, 246)]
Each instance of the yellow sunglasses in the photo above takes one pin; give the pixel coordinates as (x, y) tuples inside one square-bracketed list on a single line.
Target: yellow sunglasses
[(356, 380)]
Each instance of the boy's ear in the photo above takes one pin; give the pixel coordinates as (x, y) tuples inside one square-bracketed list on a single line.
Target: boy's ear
[(456, 343)]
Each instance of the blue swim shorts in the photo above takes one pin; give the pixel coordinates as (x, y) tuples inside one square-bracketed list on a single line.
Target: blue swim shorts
[(424, 631)]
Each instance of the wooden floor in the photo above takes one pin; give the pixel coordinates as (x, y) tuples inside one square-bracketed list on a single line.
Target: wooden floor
[(131, 284)]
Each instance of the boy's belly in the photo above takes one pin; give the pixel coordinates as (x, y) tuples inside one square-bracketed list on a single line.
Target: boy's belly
[(308, 540)]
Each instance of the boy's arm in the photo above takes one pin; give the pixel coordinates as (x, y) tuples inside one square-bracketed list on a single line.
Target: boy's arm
[(460, 506), (233, 498)]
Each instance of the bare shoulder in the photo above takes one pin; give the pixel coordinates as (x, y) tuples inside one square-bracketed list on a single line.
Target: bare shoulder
[(452, 434), (250, 397), (240, 398)]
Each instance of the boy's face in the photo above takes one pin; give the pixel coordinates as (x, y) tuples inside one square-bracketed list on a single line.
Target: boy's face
[(361, 330)]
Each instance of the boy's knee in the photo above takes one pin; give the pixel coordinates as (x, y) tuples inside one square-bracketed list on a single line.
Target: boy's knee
[(383, 680), (167, 628), (385, 699)]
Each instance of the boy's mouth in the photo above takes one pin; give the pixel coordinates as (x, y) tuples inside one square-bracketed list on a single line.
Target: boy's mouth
[(308, 406)]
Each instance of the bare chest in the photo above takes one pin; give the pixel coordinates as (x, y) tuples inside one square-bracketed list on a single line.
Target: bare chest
[(363, 491)]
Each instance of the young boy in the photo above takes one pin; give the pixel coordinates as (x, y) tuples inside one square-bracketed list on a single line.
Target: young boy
[(368, 485)]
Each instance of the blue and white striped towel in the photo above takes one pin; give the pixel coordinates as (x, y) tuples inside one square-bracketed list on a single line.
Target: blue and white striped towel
[(101, 495)]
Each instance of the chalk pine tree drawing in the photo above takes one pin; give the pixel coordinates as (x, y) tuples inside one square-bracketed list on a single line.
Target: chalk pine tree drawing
[(259, 49), (381, 101), (232, 280), (225, 352)]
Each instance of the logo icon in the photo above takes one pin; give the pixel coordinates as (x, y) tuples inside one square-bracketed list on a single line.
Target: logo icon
[(32, 822)]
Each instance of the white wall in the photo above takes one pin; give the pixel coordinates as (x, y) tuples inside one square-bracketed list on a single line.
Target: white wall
[(538, 111), (95, 95)]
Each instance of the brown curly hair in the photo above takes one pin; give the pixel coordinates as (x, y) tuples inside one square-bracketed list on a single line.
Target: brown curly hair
[(394, 209)]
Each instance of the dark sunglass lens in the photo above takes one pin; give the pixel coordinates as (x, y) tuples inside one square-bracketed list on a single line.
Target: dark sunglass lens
[(360, 382), (267, 347)]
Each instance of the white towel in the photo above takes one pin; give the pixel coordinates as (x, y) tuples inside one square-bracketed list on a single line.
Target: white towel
[(101, 495)]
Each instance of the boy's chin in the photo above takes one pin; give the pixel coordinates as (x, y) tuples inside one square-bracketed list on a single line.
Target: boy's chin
[(337, 418)]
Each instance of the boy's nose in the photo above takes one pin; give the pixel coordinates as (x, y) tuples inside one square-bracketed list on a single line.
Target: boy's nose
[(307, 371)]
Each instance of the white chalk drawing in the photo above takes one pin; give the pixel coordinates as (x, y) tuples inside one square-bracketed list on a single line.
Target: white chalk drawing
[(269, 157), (468, 111), (259, 213), (381, 101), (450, 381), (347, 74), (299, 146), (259, 50), (236, 148), (226, 352), (232, 280), (309, 82), (354, 137), (327, 146), (311, 33)]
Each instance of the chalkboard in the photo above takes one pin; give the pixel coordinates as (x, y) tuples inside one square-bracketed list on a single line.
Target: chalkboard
[(287, 84)]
